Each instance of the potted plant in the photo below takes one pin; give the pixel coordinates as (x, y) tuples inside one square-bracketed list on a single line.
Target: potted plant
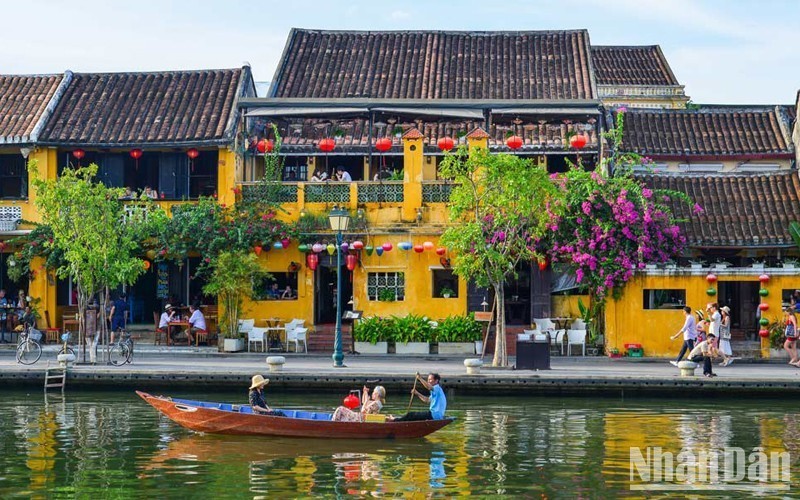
[(411, 334), (387, 295), (371, 335), (614, 353), (458, 334), (695, 264), (397, 131), (447, 292), (790, 263), (758, 265)]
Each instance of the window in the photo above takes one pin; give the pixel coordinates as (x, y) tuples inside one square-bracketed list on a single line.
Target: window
[(386, 287), (13, 177), (444, 281), (664, 299), (264, 288), (700, 168)]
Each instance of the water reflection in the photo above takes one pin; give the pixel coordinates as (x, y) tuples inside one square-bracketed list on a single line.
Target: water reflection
[(89, 442)]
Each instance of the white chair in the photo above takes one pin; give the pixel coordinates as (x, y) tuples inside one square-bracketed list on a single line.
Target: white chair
[(245, 325), (297, 335), (578, 324), (576, 337), (257, 335), (545, 325)]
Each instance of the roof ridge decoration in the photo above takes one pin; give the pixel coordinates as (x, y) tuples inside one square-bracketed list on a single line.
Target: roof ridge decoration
[(478, 133), (413, 133)]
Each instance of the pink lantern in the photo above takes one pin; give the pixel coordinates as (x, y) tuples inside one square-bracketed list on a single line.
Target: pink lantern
[(351, 261), (763, 278), (428, 246), (312, 260), (387, 247), (711, 278), (285, 242), (317, 247)]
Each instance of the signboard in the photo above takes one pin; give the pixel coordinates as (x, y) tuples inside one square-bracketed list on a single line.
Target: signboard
[(483, 316), (162, 281)]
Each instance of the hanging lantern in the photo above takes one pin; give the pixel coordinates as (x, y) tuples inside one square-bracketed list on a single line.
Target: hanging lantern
[(405, 245), (763, 333), (711, 291), (312, 260), (351, 261), (258, 249), (265, 146), (428, 246), (136, 154), (514, 142), (379, 251), (419, 248), (711, 278), (763, 292), (192, 153), (445, 143), (331, 248), (146, 264), (763, 306), (345, 246), (318, 247), (352, 402), (151, 254), (277, 245), (763, 322), (764, 278), (577, 141), (441, 251), (387, 247), (302, 247), (543, 264), (383, 144), (369, 249), (326, 145), (78, 154), (285, 242), (357, 245)]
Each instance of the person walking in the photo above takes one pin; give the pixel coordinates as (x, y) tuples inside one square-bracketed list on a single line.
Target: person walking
[(725, 337), (790, 331), (689, 334)]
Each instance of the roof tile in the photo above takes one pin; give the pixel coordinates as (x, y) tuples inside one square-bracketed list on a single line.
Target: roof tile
[(637, 65), (23, 101)]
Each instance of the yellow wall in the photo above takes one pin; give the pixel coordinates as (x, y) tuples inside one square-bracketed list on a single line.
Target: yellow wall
[(566, 306)]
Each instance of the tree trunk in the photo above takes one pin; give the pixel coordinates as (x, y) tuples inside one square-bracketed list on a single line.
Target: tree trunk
[(500, 353), (83, 302)]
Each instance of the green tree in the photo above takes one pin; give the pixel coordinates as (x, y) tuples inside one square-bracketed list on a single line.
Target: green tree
[(498, 212), (231, 280), (85, 219)]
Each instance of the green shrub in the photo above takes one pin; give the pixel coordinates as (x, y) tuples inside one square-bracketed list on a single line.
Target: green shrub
[(411, 328), (459, 329), (372, 330), (387, 295), (776, 333)]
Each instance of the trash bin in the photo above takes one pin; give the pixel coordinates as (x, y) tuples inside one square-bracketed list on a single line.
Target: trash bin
[(533, 354)]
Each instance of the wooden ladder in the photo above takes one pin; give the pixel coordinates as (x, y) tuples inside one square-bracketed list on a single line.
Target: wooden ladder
[(50, 379)]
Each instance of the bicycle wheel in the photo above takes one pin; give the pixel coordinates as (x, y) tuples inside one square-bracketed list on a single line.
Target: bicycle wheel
[(118, 354), (130, 351), (68, 351), (28, 352)]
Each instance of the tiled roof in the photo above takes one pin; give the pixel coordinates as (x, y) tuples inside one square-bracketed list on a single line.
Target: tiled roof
[(637, 65), (739, 210), (303, 135), (23, 102), (174, 107), (435, 65), (708, 132), (478, 133)]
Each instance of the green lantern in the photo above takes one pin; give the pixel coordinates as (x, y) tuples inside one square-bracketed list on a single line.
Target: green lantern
[(763, 322), (763, 292), (369, 249), (303, 248), (711, 291)]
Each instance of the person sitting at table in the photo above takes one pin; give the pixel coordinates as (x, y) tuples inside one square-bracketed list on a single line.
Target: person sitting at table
[(197, 322), (166, 317), (274, 292), (287, 292)]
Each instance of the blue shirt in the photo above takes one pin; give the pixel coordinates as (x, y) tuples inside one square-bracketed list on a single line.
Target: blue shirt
[(438, 402), (120, 306)]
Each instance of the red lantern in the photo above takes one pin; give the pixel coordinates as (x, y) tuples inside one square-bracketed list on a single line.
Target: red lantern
[(193, 153), (326, 145), (763, 306), (763, 333), (387, 247), (146, 264), (763, 278), (265, 146), (441, 251), (577, 141), (285, 242), (357, 245), (419, 248), (351, 261), (79, 154), (351, 401), (514, 142), (711, 278), (383, 144), (136, 154), (3, 245), (311, 261), (543, 264), (258, 249), (445, 143)]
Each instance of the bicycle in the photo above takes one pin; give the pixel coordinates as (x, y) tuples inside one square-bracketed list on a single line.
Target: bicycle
[(65, 348), (121, 351), (28, 349)]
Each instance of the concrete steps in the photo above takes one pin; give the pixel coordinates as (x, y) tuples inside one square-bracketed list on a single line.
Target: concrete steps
[(322, 337)]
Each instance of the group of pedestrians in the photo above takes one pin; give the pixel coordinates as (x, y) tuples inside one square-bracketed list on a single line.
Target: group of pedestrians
[(707, 337)]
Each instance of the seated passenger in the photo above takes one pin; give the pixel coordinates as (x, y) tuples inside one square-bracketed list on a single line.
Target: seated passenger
[(368, 405), (437, 400), (256, 397), (287, 293)]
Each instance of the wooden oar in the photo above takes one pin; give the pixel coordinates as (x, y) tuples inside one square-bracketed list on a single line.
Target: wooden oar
[(412, 392)]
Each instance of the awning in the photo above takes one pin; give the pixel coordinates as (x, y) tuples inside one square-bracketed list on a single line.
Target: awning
[(311, 112), (473, 114), (546, 111), (563, 282)]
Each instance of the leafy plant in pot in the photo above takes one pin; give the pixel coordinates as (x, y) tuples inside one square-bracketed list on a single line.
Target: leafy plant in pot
[(372, 335), (458, 334), (447, 293), (411, 334)]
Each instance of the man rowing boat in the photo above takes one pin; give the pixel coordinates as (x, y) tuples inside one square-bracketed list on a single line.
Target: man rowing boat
[(437, 400)]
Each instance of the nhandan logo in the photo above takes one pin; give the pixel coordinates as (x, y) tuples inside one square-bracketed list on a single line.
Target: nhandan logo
[(726, 469)]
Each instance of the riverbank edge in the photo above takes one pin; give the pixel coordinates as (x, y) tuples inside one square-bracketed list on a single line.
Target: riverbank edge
[(503, 383)]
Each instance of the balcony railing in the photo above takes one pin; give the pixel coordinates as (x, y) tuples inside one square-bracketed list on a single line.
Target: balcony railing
[(282, 192), (327, 192), (380, 192), (436, 191)]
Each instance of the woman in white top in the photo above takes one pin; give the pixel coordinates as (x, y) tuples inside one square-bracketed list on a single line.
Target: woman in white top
[(725, 337), (715, 319)]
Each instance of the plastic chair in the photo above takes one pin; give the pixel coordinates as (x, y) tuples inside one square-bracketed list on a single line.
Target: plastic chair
[(297, 335), (245, 325), (257, 335), (578, 324), (158, 332), (576, 337)]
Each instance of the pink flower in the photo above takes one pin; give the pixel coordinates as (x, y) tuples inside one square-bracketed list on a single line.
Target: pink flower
[(697, 209)]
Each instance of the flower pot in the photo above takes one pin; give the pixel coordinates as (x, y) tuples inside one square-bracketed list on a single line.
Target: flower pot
[(446, 295), (456, 347), (778, 354), (411, 348), (615, 355), (233, 345), (787, 265), (369, 348)]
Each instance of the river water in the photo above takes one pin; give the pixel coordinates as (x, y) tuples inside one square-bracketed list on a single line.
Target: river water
[(113, 445)]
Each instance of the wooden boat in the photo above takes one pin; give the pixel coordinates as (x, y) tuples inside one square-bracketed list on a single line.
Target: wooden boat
[(224, 418)]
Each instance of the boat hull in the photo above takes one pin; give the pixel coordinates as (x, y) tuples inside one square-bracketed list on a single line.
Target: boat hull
[(218, 421)]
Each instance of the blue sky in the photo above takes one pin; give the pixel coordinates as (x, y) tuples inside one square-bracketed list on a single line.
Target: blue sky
[(732, 51)]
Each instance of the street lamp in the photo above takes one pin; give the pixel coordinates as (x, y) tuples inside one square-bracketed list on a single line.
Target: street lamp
[(339, 220)]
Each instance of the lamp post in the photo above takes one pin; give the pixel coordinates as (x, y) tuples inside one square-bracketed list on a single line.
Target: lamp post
[(339, 220)]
